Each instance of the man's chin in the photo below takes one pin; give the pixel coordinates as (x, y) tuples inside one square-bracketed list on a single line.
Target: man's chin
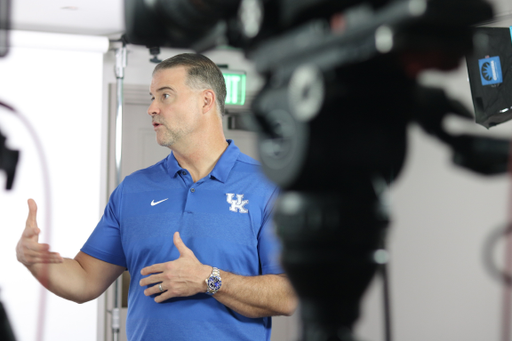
[(165, 143)]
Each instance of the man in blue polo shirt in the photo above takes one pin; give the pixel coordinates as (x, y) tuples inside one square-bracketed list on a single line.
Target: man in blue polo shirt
[(194, 230)]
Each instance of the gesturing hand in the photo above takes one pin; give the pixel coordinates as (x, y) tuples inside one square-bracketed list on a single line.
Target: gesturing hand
[(181, 277), (29, 251)]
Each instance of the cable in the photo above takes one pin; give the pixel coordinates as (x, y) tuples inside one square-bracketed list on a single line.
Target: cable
[(48, 217), (505, 275), (507, 283)]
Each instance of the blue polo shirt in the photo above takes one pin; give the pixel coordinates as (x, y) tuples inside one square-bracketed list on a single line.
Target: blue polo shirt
[(224, 218)]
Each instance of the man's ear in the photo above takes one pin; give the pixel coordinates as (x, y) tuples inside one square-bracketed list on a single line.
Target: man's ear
[(208, 100)]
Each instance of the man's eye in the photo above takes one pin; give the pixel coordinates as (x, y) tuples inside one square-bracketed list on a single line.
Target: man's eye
[(165, 96)]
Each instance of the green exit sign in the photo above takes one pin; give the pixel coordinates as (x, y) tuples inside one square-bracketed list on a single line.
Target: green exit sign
[(235, 86)]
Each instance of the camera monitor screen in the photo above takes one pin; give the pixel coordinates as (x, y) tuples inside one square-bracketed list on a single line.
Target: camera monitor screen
[(490, 75)]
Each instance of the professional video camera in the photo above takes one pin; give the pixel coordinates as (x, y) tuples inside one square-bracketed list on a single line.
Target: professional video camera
[(341, 88)]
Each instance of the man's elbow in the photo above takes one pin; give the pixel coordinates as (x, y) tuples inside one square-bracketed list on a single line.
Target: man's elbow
[(81, 300), (290, 300), (290, 306), (85, 297)]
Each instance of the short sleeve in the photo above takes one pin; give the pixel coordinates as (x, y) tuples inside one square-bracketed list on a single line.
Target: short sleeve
[(269, 246), (105, 241)]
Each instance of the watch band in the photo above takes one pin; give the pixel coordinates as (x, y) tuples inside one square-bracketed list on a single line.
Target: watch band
[(213, 282)]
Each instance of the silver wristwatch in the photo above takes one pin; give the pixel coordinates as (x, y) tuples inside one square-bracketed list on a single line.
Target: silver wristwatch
[(214, 282)]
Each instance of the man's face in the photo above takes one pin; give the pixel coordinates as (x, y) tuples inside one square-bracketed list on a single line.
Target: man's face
[(175, 108)]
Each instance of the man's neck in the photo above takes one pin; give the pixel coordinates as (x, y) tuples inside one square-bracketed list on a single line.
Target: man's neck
[(200, 159)]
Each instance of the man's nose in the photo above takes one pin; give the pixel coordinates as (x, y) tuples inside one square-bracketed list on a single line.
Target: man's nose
[(153, 109)]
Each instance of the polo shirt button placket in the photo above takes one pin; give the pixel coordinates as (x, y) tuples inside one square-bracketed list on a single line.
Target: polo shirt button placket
[(192, 190)]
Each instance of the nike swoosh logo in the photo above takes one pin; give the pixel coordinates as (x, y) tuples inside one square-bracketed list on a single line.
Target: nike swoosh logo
[(153, 203)]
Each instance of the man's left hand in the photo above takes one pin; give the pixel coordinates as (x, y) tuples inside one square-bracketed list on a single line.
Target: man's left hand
[(184, 276)]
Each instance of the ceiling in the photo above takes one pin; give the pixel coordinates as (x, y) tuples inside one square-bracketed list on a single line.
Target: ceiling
[(88, 17), (105, 17)]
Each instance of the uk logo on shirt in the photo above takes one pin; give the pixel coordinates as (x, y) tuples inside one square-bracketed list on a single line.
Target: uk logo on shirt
[(238, 204)]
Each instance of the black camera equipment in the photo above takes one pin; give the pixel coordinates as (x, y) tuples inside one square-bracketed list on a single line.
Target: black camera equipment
[(8, 157), (340, 91), (6, 333), (489, 69)]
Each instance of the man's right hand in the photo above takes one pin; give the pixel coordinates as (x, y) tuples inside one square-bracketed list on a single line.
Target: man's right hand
[(29, 251), (81, 279)]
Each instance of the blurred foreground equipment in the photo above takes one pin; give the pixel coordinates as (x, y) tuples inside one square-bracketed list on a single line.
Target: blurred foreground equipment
[(6, 333), (332, 116), (8, 157), (5, 26)]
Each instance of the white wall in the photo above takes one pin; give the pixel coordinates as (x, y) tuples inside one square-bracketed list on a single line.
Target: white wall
[(56, 82)]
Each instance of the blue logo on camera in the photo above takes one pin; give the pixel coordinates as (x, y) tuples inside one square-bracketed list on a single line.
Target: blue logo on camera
[(490, 70)]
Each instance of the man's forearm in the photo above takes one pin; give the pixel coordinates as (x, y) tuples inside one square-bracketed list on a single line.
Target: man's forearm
[(258, 296), (80, 280), (66, 279)]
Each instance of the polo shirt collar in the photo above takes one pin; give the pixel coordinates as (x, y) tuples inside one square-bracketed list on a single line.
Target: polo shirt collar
[(173, 167), (226, 162), (220, 171)]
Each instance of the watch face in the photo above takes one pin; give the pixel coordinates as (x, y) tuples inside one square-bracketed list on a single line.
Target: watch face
[(214, 283)]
